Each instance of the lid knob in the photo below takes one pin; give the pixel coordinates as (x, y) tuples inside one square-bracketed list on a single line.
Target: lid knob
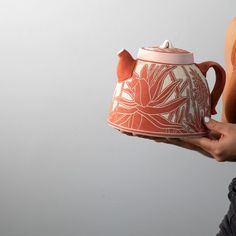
[(167, 44)]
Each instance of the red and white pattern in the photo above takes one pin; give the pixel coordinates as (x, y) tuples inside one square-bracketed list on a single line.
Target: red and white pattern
[(161, 100)]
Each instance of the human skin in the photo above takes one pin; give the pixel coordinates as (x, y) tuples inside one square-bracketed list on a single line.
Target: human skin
[(220, 144)]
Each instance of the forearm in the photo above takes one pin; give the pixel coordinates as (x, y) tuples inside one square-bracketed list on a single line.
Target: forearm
[(229, 94)]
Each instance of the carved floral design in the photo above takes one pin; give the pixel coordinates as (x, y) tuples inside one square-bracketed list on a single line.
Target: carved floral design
[(148, 100), (200, 90), (155, 100)]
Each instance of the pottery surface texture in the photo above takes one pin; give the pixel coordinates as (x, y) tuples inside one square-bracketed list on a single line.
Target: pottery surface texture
[(163, 93)]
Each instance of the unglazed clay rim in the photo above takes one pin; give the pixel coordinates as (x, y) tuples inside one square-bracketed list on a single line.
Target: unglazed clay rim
[(157, 134), (168, 58)]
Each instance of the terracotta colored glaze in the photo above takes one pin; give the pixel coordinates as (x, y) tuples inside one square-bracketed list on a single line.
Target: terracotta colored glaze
[(164, 93)]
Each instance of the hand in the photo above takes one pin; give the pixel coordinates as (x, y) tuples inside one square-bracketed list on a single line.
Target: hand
[(187, 144), (175, 141), (181, 143), (221, 142)]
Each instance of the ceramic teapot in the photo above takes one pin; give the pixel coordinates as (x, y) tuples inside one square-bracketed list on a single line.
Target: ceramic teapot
[(163, 93)]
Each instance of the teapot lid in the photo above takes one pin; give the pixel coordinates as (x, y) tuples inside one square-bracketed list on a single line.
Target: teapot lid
[(165, 53)]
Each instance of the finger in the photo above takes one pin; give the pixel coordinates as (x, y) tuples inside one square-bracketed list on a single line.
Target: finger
[(203, 142), (125, 132), (214, 125), (214, 135), (178, 142), (160, 139), (143, 136)]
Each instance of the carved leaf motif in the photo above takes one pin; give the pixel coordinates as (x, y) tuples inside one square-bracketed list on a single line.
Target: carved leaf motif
[(149, 101)]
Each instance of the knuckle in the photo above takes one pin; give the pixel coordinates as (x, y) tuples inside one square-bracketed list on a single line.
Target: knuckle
[(218, 151), (219, 154), (219, 158)]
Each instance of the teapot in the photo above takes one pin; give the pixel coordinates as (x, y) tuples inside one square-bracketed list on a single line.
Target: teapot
[(164, 93)]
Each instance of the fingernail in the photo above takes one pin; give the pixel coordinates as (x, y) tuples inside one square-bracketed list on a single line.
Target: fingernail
[(206, 119)]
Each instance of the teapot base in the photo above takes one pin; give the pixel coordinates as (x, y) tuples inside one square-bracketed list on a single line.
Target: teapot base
[(133, 132)]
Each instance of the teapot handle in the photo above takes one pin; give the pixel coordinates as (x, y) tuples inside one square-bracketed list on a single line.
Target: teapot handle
[(219, 83)]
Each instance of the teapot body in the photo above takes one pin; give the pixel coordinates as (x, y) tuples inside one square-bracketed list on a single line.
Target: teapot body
[(164, 100), (164, 94)]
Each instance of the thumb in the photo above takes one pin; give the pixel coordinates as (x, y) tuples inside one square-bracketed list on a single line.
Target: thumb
[(215, 125)]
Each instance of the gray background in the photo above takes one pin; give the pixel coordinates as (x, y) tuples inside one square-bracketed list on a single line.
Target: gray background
[(63, 170)]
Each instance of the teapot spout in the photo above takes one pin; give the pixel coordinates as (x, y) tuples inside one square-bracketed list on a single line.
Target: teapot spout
[(125, 65)]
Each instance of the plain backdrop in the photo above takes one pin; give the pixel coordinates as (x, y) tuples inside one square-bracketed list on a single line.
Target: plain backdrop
[(63, 170)]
